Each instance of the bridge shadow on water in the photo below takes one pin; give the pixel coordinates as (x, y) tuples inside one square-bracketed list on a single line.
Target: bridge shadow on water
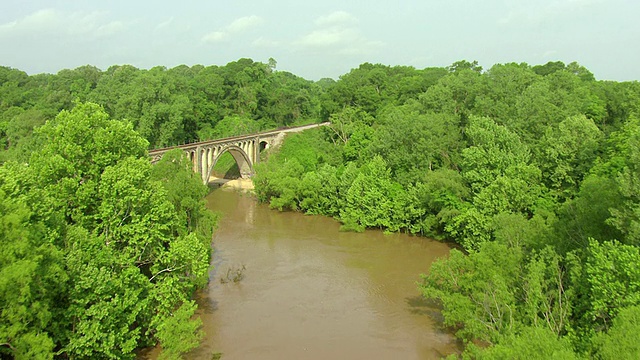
[(419, 305), (215, 183), (205, 303)]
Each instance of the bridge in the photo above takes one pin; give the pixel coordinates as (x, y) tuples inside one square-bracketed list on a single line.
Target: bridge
[(245, 149)]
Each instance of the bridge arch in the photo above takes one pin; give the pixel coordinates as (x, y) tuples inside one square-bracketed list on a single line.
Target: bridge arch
[(245, 165)]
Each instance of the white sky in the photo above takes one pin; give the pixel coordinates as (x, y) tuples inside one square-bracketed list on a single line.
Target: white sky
[(316, 39)]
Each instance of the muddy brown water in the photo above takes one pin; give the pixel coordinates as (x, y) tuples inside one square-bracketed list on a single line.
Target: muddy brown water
[(312, 292)]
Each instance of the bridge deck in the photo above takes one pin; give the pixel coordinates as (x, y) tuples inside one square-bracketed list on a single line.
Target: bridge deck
[(239, 137)]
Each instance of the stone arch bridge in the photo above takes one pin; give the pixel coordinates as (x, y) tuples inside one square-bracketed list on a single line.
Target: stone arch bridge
[(245, 149)]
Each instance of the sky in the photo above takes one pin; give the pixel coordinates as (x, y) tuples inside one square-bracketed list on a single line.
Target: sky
[(318, 39)]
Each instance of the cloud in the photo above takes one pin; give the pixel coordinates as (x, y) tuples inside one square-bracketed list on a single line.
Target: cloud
[(532, 13), (338, 33), (111, 28), (337, 17), (362, 48), (329, 37), (38, 21), (76, 24), (237, 26), (244, 23), (215, 36), (165, 23), (265, 43)]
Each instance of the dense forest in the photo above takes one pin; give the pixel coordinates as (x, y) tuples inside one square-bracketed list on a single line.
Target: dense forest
[(534, 171)]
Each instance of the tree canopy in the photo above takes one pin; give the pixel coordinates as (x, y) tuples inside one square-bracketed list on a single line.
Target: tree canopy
[(532, 170), (104, 249)]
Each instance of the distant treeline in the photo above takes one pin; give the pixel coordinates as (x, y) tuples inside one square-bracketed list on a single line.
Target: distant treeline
[(166, 106)]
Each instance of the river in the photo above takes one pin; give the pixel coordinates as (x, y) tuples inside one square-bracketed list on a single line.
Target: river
[(312, 292)]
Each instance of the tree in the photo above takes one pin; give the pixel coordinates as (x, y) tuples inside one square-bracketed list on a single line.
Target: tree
[(569, 151), (585, 216), (464, 65), (441, 194), (608, 280), (373, 199), (125, 251), (348, 122), (455, 93), (621, 341), (31, 279), (626, 215), (186, 192), (493, 149), (496, 166), (531, 343), (413, 144), (549, 68), (230, 126), (176, 332), (478, 292), (505, 84)]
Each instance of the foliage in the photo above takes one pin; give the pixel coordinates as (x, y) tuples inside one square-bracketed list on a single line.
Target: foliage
[(373, 199), (531, 343), (176, 332), (413, 143), (621, 341), (477, 292), (495, 292), (626, 215), (520, 165), (105, 249), (569, 152), (166, 106), (609, 280), (32, 276), (523, 166)]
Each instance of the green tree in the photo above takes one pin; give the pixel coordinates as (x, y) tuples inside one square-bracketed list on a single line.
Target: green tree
[(441, 194), (229, 126), (626, 215), (496, 165), (373, 199), (463, 65), (585, 216), (106, 255), (455, 93), (505, 84), (493, 149), (621, 341), (569, 152), (549, 68), (608, 280), (531, 343), (32, 277), (478, 292), (412, 143)]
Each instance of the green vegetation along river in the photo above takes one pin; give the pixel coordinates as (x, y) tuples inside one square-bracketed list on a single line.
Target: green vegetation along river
[(312, 292)]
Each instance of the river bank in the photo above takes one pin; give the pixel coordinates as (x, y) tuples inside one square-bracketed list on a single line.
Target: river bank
[(243, 185)]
